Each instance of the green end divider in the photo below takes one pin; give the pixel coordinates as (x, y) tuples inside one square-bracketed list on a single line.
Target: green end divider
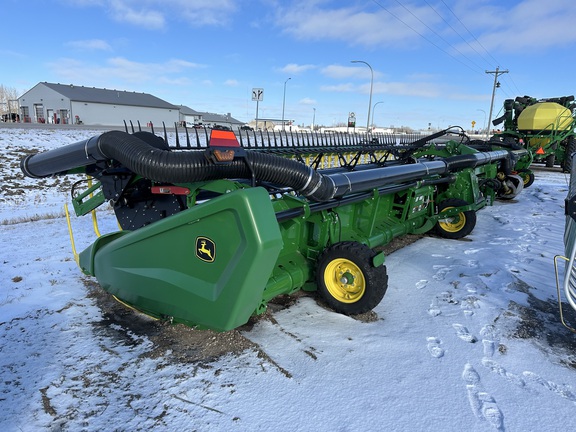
[(206, 266)]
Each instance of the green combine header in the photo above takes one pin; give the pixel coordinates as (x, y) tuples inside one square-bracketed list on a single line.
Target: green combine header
[(211, 233)]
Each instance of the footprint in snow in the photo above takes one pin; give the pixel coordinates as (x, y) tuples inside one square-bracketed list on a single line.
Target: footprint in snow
[(473, 263), (471, 251), (434, 347), (463, 333), (498, 369), (421, 283), (489, 347), (434, 309), (563, 391), (441, 272), (490, 338), (482, 403)]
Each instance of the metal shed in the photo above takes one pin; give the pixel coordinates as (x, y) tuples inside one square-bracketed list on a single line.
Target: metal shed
[(66, 104)]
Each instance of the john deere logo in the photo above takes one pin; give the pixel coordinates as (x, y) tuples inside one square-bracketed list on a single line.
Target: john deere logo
[(205, 249)]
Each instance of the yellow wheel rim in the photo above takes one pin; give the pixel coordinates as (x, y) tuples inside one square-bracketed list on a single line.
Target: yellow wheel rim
[(344, 280), (525, 178), (453, 224)]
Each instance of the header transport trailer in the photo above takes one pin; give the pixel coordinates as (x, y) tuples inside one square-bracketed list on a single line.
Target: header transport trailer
[(210, 234)]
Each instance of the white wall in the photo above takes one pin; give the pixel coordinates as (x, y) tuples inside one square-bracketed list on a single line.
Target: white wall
[(94, 113), (50, 100), (114, 115)]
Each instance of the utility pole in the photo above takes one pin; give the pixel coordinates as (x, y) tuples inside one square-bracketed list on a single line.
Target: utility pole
[(496, 73)]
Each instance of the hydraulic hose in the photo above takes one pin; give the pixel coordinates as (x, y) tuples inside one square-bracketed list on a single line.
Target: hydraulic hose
[(161, 165), (174, 167)]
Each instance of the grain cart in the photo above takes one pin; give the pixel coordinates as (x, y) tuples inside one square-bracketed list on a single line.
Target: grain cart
[(544, 126), (209, 235)]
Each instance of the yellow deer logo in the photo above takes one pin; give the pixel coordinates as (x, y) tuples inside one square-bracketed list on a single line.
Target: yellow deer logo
[(205, 249)]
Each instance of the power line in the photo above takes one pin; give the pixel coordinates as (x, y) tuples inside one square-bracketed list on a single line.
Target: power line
[(422, 36), (469, 32), (454, 29), (518, 92), (497, 73), (438, 35)]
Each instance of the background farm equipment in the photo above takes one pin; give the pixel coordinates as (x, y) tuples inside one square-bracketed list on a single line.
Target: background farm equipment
[(544, 126), (211, 233)]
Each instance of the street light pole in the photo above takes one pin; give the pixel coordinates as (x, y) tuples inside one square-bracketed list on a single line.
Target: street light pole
[(371, 87), (484, 127), (373, 110), (313, 119), (284, 103)]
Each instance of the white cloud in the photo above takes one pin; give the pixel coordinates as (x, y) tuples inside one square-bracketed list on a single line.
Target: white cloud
[(120, 70), (409, 88), (339, 88), (529, 26), (201, 12), (176, 82), (354, 25), (419, 89), (13, 54), (89, 45), (123, 11), (307, 101), (355, 70), (296, 69), (519, 27), (155, 14), (339, 72), (231, 83), (85, 2)]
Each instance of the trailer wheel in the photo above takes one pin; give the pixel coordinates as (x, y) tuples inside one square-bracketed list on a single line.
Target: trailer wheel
[(527, 177), (347, 280), (458, 226), (569, 150)]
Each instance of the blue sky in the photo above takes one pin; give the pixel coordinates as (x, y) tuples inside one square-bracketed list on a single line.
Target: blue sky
[(429, 57)]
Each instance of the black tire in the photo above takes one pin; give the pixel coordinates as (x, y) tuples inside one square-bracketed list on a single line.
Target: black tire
[(527, 177), (568, 152), (551, 158), (347, 280), (457, 226)]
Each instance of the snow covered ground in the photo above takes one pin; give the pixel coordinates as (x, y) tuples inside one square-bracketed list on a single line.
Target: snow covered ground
[(467, 337)]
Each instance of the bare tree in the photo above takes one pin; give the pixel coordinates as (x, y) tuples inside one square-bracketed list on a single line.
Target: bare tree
[(8, 100)]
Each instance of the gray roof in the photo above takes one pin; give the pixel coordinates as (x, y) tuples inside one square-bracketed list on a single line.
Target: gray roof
[(210, 117), (219, 118), (186, 110), (106, 96)]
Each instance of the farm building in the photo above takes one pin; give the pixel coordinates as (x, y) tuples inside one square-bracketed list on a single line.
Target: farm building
[(191, 117), (60, 103)]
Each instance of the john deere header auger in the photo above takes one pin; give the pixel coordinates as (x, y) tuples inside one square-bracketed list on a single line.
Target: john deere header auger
[(211, 234)]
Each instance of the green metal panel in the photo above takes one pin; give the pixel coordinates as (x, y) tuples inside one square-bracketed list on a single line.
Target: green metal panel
[(374, 221), (166, 268)]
